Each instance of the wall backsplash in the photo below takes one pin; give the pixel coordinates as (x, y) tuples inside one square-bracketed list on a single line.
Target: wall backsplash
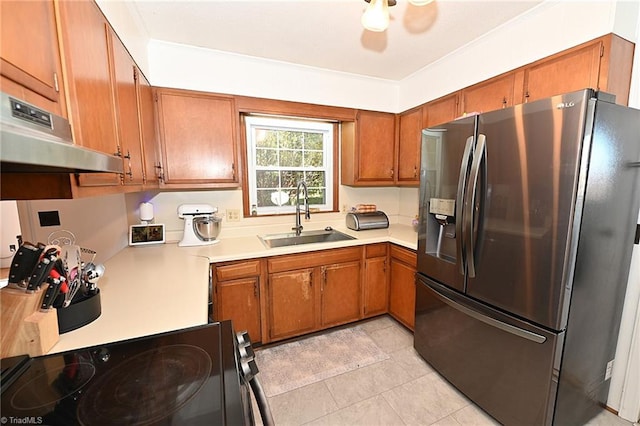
[(98, 223), (400, 204)]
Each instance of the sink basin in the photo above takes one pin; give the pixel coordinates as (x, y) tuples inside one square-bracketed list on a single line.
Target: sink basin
[(305, 237)]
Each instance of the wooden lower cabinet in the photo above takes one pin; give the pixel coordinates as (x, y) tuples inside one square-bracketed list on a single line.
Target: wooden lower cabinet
[(340, 294), (402, 287), (292, 303), (376, 280), (237, 295), (311, 291)]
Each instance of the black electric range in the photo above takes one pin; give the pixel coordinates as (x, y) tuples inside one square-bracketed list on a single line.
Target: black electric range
[(186, 377)]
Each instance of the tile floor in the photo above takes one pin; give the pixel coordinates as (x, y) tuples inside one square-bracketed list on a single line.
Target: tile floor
[(390, 392)]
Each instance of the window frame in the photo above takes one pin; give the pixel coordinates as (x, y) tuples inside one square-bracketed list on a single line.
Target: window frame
[(331, 150)]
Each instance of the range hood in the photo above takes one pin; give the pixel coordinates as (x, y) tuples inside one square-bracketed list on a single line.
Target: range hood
[(36, 141)]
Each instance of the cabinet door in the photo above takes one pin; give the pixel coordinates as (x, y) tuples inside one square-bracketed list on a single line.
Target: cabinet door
[(440, 111), (292, 303), (402, 288), (92, 106), (30, 58), (490, 95), (239, 301), (340, 293), (368, 147), (574, 70), (197, 134), (409, 141), (124, 85), (375, 286), (147, 117)]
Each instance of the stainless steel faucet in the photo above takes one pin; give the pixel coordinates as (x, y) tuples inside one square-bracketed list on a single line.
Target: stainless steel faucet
[(307, 215)]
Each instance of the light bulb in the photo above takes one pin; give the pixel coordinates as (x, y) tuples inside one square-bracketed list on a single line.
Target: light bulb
[(376, 16), (420, 2)]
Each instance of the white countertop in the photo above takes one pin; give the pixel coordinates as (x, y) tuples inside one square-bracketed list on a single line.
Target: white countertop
[(153, 289)]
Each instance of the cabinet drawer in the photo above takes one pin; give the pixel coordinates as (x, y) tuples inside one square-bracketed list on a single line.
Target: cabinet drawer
[(404, 255), (232, 271), (376, 250)]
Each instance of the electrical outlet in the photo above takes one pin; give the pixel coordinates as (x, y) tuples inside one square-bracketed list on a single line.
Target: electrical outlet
[(233, 215), (607, 374), (12, 248)]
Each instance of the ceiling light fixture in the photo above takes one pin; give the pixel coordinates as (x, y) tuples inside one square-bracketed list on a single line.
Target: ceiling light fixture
[(376, 16)]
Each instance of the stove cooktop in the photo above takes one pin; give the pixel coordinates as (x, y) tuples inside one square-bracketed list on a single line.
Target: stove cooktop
[(184, 377)]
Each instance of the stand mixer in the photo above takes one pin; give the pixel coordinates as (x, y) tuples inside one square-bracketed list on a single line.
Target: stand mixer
[(201, 226)]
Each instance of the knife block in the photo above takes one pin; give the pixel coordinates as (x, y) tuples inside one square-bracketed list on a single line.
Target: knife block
[(25, 329)]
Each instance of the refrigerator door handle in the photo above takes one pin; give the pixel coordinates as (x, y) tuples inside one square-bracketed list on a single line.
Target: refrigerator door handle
[(471, 201), (462, 183), (534, 337)]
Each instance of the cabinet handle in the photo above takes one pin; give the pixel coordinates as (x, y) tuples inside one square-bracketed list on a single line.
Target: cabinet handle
[(55, 82), (526, 96), (384, 266), (256, 290), (233, 171), (415, 171), (504, 103), (391, 172), (311, 279), (118, 153), (159, 173)]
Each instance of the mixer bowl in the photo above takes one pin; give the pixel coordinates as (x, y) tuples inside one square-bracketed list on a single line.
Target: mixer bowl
[(207, 228)]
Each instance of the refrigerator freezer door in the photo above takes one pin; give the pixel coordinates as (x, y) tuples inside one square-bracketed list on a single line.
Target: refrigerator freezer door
[(506, 366), (445, 162), (525, 205)]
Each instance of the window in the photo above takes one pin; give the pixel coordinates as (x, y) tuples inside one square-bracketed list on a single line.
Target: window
[(282, 152)]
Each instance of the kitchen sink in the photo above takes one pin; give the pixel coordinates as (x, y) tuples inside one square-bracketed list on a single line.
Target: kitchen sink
[(305, 237)]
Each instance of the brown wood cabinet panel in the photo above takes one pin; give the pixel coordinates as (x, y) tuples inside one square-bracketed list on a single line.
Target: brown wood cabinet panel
[(88, 77), (198, 138), (409, 142), (313, 259), (441, 110), (376, 286), (292, 303), (29, 54), (148, 131), (234, 270), (402, 288), (574, 70), (125, 92), (489, 95), (341, 292), (375, 250), (368, 148), (239, 301)]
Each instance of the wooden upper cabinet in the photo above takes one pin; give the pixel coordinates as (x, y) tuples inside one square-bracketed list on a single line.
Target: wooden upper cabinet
[(575, 70), (368, 147), (152, 170), (409, 142), (602, 64), (441, 110), (88, 76), (198, 139), (489, 95), (124, 86), (30, 57)]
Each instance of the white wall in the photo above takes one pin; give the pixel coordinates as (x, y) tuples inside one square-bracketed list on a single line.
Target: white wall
[(98, 223), (187, 67), (10, 229)]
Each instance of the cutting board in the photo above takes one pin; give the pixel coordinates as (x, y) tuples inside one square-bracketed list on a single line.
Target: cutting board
[(26, 330)]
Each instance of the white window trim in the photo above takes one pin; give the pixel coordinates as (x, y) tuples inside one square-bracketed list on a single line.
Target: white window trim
[(293, 124)]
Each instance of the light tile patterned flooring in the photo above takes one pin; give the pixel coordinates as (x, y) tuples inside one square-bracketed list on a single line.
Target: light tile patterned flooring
[(401, 390)]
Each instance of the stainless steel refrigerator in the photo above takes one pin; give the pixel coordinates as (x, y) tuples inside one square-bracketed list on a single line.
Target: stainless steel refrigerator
[(527, 223)]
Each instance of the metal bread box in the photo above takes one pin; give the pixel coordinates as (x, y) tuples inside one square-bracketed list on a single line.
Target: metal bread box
[(364, 221)]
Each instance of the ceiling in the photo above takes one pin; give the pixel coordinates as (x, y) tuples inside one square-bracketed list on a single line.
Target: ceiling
[(328, 33)]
